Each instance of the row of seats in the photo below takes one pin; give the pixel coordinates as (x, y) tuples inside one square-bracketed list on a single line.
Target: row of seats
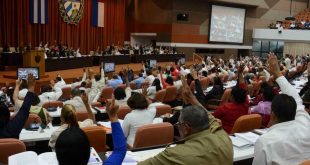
[(146, 136), (301, 16)]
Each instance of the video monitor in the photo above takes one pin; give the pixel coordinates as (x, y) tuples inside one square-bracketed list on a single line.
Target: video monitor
[(180, 61), (109, 67), (227, 24), (152, 63), (22, 73)]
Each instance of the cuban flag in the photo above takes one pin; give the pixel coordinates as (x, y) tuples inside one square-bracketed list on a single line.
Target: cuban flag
[(39, 11), (97, 13)]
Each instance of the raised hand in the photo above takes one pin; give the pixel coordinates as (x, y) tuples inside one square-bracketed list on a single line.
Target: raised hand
[(111, 109), (125, 72), (241, 68), (187, 95), (308, 68), (91, 73), (194, 73), (18, 82), (274, 67), (31, 82), (52, 83), (144, 90), (85, 98)]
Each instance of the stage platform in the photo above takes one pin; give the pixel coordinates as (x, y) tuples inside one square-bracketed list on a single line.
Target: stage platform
[(9, 61)]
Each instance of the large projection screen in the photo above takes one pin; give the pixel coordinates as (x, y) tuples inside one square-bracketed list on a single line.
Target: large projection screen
[(227, 24)]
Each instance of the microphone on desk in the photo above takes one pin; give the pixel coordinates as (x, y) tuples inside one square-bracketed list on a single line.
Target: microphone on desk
[(49, 108)]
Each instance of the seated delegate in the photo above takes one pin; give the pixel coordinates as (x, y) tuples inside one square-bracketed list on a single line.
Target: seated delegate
[(12, 128), (72, 145)]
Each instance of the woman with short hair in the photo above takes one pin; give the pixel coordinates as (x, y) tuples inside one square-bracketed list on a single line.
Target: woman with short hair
[(140, 115)]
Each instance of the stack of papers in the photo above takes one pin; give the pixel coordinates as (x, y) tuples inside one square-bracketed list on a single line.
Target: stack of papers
[(239, 143), (243, 140), (248, 136)]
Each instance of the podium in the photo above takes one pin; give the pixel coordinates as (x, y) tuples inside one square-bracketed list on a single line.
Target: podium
[(35, 58)]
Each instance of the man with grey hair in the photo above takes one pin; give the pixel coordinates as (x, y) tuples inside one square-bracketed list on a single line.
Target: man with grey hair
[(192, 119), (203, 139), (76, 100)]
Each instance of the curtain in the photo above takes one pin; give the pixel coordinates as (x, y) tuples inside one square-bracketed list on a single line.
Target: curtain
[(294, 49), (16, 29)]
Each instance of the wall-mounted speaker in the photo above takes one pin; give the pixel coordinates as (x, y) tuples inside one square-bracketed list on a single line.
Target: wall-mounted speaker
[(182, 17)]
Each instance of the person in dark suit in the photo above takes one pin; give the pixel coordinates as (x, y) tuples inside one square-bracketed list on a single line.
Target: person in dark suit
[(12, 128)]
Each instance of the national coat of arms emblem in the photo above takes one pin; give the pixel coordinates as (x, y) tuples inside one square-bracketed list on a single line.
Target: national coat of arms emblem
[(71, 10)]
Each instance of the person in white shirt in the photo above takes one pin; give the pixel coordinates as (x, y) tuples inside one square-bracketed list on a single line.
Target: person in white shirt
[(287, 140), (68, 119), (78, 83), (152, 90), (49, 93), (267, 74), (78, 54), (287, 62), (278, 24), (76, 100), (98, 82), (139, 116), (184, 71), (59, 82), (150, 77), (23, 89), (121, 95), (292, 25)]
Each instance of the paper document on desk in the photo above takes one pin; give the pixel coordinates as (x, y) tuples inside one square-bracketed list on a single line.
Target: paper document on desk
[(31, 158), (94, 158), (47, 158), (128, 160), (261, 131), (108, 123), (248, 136), (239, 142), (143, 155)]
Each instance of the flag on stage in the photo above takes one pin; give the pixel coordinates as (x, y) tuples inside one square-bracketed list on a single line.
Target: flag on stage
[(38, 11), (97, 13)]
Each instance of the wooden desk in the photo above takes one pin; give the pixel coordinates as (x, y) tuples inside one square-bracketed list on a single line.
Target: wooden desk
[(11, 59), (158, 57), (67, 63)]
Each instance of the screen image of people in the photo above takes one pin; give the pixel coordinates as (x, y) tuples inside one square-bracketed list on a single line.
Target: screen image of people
[(182, 61), (153, 63), (227, 24), (109, 67), (22, 73)]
